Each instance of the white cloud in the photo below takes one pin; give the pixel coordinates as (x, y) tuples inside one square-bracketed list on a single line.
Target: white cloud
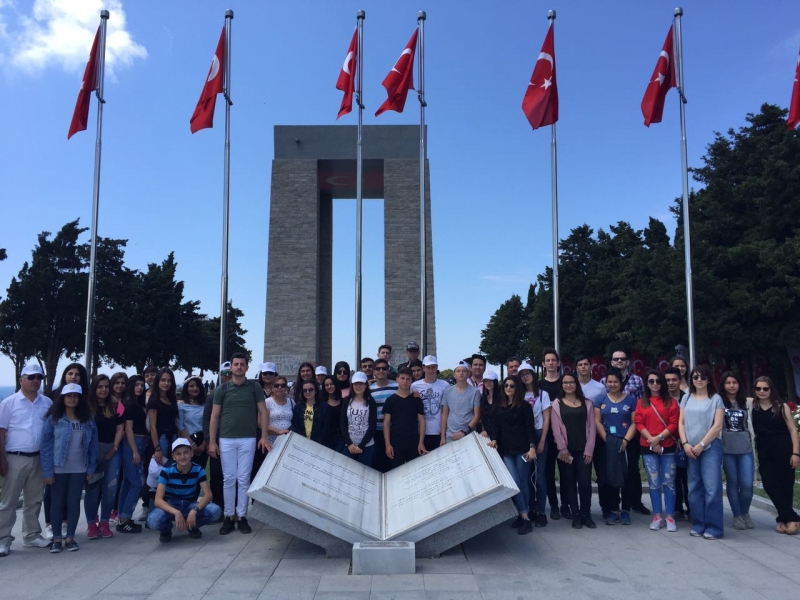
[(60, 33)]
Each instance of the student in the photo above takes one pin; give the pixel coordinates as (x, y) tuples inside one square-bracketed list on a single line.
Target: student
[(673, 377), (359, 422), (119, 388), (381, 389), (656, 419), (176, 496), (320, 373), (680, 364), (190, 418), (311, 417), (280, 409), (342, 373), (430, 390), (149, 379), (133, 450), (551, 383), (417, 370), (385, 352), (403, 422), (514, 436), (267, 371), (778, 452), (162, 412), (491, 399), (574, 431), (333, 398), (591, 389), (368, 368), (110, 431), (461, 407), (69, 459), (304, 373), (539, 401), (701, 421), (737, 449)]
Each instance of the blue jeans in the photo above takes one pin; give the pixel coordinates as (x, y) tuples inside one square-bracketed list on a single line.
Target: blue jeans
[(66, 502), (520, 471), (537, 480), (105, 488), (661, 475), (739, 474), (132, 477), (705, 490), (365, 458), (162, 521)]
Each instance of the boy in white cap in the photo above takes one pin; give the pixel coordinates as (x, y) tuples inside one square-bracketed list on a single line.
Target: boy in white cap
[(430, 389), (461, 406)]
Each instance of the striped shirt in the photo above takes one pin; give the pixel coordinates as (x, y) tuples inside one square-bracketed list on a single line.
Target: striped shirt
[(181, 486), (380, 395)]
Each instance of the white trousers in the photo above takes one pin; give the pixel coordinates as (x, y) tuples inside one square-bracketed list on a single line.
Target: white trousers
[(236, 456)]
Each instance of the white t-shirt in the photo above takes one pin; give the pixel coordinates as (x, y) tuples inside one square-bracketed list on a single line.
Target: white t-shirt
[(593, 390), (280, 416), (358, 422), (431, 394), (539, 404)]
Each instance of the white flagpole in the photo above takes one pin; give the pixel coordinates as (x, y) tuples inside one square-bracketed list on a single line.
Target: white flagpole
[(678, 43), (101, 60), (360, 16), (423, 248), (226, 91), (551, 16)]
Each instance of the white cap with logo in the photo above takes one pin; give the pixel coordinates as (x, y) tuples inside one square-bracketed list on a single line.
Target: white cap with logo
[(429, 360), (71, 388), (320, 370), (359, 377), (180, 442), (269, 367), (32, 369)]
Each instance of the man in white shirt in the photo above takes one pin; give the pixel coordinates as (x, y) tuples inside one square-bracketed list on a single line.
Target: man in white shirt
[(591, 389), (430, 389), (21, 417)]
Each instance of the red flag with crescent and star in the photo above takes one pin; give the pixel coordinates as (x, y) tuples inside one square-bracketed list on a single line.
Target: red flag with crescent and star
[(203, 116), (660, 83), (80, 116), (400, 79), (347, 76), (794, 105), (540, 103)]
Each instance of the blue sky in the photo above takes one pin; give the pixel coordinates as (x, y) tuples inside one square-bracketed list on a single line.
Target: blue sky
[(490, 174)]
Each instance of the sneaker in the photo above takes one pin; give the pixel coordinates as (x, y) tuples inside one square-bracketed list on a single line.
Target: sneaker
[(612, 518), (195, 533), (588, 522), (63, 530), (694, 533), (227, 526), (129, 527), (680, 515), (48, 532), (554, 514), (656, 523), (36, 542), (55, 547), (165, 537), (105, 530), (93, 532), (541, 520), (642, 509), (244, 526), (143, 514), (4, 550), (739, 523), (708, 536), (113, 517), (526, 527), (576, 524), (517, 523), (625, 517), (72, 546), (748, 522), (566, 512), (671, 526)]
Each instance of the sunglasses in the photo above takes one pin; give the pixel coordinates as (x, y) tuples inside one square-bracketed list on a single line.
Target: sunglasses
[(381, 368), (32, 377), (279, 385), (618, 359), (226, 373), (342, 372), (653, 382), (698, 377), (762, 389)]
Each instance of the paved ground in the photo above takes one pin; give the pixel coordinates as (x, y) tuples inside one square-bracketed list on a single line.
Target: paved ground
[(553, 562)]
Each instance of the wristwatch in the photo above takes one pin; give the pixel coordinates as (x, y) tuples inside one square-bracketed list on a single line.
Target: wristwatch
[(702, 445)]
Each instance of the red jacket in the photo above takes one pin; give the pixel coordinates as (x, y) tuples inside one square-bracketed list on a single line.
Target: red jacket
[(645, 418)]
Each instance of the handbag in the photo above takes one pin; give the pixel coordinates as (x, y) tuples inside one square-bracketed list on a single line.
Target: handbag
[(680, 455)]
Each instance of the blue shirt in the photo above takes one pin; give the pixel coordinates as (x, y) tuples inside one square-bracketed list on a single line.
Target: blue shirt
[(616, 416), (181, 486)]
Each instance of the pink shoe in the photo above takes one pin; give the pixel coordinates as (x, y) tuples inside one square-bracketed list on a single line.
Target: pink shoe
[(113, 517), (105, 530), (92, 533)]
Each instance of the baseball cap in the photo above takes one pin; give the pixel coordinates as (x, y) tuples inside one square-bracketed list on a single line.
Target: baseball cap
[(180, 442), (490, 375), (412, 346), (429, 360), (269, 367), (32, 369), (359, 377), (321, 370), (71, 388), (462, 363), (226, 366), (525, 367)]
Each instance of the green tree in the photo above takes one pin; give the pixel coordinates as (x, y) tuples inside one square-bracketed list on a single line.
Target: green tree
[(236, 333), (505, 333)]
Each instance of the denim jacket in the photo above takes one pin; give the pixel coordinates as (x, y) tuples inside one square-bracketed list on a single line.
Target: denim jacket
[(55, 443)]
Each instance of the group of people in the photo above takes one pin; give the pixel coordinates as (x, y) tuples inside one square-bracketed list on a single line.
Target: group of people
[(191, 459)]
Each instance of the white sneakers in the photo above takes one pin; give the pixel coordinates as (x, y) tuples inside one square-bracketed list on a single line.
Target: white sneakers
[(37, 542), (4, 550), (48, 532), (657, 523)]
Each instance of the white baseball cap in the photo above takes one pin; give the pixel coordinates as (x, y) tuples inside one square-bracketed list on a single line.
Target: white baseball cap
[(226, 366), (320, 370), (269, 367), (461, 363), (71, 388), (430, 360), (490, 375), (32, 369), (525, 367), (180, 442), (359, 377)]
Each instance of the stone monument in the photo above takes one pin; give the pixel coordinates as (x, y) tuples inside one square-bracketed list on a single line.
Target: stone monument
[(437, 501)]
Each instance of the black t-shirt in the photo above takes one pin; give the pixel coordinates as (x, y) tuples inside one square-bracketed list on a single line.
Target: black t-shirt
[(404, 413), (553, 388), (107, 427), (166, 418), (135, 413)]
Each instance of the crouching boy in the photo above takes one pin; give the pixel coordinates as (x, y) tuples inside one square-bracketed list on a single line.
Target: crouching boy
[(176, 496)]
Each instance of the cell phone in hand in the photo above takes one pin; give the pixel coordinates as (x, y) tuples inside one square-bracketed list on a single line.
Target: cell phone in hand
[(525, 457)]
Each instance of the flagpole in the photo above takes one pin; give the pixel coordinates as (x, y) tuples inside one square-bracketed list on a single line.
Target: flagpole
[(226, 186), (551, 16), (423, 248), (98, 146), (360, 16), (687, 248)]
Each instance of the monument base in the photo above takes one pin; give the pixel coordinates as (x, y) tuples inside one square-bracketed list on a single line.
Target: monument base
[(383, 558), (429, 547)]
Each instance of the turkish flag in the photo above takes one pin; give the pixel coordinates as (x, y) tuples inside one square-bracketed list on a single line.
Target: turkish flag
[(662, 80), (400, 79), (794, 105), (203, 116), (89, 84), (347, 76), (540, 103)]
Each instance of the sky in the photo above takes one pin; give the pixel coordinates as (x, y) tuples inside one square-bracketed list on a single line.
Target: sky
[(161, 186)]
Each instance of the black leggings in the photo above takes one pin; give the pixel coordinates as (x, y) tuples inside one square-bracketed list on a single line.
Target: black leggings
[(577, 479), (550, 474), (777, 475)]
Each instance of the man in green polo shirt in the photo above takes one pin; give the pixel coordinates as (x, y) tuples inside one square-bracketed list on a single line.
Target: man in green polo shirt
[(236, 405)]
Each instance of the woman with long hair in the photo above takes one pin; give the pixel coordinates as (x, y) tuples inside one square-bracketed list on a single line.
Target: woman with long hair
[(133, 449), (69, 459), (190, 418), (738, 461), (778, 452), (110, 430), (162, 412), (342, 374), (537, 483), (333, 398), (119, 389), (701, 420), (574, 431), (680, 364), (266, 378), (359, 420), (656, 419), (514, 435), (304, 373), (491, 399), (280, 407), (311, 417), (614, 420)]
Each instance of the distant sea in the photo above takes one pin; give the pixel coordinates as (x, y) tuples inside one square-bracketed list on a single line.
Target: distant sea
[(6, 391)]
